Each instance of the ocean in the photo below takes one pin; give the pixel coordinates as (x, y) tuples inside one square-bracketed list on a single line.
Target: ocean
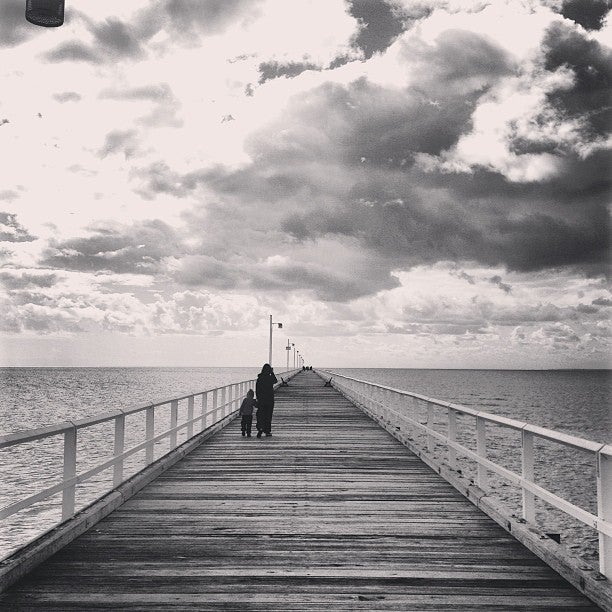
[(572, 401)]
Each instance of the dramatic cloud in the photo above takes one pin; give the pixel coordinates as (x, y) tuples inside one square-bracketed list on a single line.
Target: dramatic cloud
[(380, 23), (137, 249), (590, 14), (588, 98)]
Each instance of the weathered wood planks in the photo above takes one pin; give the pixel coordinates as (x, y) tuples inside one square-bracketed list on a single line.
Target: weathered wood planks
[(330, 513)]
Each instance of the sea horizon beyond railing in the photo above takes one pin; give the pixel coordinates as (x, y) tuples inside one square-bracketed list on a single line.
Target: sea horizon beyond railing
[(389, 406), (216, 404)]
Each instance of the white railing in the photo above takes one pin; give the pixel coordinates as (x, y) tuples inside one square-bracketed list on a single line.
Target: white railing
[(214, 405), (395, 406)]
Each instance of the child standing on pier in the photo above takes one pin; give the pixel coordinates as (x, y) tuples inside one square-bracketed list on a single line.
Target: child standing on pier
[(246, 411)]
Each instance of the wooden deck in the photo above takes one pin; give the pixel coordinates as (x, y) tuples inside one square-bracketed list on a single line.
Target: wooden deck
[(329, 513)]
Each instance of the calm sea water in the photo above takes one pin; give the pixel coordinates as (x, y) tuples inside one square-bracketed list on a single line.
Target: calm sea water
[(576, 402)]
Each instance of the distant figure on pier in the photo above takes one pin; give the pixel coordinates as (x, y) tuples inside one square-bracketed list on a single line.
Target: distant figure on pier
[(264, 389), (246, 412)]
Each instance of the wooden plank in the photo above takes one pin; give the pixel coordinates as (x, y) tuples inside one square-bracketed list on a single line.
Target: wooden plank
[(329, 513)]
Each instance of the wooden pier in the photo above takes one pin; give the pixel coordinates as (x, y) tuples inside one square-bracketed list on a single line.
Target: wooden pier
[(331, 512)]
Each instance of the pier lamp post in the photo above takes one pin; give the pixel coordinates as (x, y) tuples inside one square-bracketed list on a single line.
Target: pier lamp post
[(293, 345), (272, 324), (46, 13), (288, 348)]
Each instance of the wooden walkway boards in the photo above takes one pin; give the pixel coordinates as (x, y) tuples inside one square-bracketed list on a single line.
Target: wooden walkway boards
[(330, 513)]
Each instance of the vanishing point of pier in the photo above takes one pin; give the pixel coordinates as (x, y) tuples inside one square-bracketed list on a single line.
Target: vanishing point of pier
[(331, 512)]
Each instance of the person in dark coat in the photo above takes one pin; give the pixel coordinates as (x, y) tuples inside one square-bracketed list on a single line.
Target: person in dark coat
[(264, 390)]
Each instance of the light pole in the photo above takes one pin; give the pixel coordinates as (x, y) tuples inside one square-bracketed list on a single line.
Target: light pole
[(280, 326), (288, 347), (293, 345)]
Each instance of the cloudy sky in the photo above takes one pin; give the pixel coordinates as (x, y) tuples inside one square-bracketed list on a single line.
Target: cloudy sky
[(401, 183)]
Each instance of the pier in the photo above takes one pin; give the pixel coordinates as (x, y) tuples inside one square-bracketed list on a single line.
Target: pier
[(330, 512)]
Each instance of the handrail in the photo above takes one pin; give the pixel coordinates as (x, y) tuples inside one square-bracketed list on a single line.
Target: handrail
[(224, 401), (374, 396), (542, 432)]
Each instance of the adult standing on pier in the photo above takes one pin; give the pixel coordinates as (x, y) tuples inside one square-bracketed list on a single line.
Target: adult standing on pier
[(264, 389)]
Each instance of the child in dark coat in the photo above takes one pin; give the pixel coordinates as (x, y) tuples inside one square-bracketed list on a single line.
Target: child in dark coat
[(246, 411)]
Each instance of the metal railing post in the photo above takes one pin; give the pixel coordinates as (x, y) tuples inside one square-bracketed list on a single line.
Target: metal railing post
[(215, 406), (118, 448), (173, 422), (528, 474), (452, 436), (604, 507), (204, 409), (430, 425), (70, 450), (481, 451), (150, 434), (190, 401)]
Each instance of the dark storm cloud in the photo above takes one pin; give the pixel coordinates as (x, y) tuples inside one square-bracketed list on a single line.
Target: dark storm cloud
[(14, 29), (413, 232), (589, 99), (539, 241), (12, 231), (381, 22), (365, 123), (120, 141), (273, 70), (379, 25), (139, 249), (67, 96), (340, 166), (408, 216), (27, 280), (590, 14)]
